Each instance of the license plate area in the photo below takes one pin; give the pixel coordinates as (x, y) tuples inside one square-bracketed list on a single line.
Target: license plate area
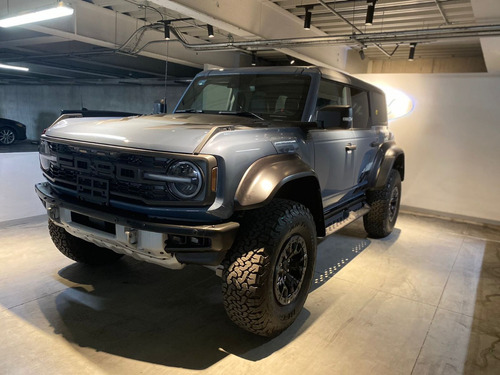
[(91, 222), (93, 190)]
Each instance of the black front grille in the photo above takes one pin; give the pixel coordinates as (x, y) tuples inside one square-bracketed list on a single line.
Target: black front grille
[(98, 176)]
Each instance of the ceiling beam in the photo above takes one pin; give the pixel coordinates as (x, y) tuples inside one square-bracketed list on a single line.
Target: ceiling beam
[(116, 66), (102, 27), (486, 11), (32, 41)]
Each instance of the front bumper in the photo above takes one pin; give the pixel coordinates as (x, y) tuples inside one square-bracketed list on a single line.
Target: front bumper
[(169, 245)]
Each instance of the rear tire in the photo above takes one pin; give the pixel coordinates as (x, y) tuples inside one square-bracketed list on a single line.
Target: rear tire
[(79, 250), (268, 273), (380, 220)]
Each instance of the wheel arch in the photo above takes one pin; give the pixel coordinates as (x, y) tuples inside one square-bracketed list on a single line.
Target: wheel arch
[(284, 176), (389, 157)]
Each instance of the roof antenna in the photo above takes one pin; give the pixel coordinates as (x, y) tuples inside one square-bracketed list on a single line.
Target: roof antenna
[(166, 77)]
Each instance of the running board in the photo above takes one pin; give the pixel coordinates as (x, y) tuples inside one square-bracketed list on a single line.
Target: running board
[(353, 215)]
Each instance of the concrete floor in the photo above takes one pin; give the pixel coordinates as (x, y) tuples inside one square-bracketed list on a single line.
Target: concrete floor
[(20, 146), (425, 300)]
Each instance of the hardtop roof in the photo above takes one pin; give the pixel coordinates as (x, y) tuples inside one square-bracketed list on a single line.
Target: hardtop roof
[(331, 74)]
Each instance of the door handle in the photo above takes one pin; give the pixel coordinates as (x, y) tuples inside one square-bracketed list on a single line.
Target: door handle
[(350, 147)]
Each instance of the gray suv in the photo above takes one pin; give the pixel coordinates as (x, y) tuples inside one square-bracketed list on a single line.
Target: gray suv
[(253, 165)]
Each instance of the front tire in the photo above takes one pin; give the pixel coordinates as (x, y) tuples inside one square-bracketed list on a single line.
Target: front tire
[(380, 220), (79, 250), (268, 273)]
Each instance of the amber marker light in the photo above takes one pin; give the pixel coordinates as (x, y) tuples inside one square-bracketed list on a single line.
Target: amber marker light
[(213, 182)]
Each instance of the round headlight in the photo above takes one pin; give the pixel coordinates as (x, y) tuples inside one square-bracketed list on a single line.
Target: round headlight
[(185, 179)]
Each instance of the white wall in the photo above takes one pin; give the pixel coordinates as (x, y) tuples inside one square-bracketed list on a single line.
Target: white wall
[(451, 141), (19, 171)]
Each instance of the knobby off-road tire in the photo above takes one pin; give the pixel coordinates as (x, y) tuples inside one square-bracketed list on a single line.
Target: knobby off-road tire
[(268, 272), (79, 250), (380, 220)]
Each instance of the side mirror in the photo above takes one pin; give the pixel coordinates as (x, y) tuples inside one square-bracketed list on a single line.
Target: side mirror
[(335, 116)]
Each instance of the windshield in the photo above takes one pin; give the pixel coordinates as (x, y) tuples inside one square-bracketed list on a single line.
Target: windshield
[(267, 96)]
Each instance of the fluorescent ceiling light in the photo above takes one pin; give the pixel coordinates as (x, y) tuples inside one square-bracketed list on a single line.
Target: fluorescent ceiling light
[(60, 10), (13, 67)]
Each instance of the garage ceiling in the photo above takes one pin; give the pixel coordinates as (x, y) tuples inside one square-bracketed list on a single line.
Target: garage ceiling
[(122, 41)]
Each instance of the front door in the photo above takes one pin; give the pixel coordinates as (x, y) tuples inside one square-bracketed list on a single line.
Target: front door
[(334, 163)]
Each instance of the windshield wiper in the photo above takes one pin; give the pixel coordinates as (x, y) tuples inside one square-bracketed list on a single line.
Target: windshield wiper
[(241, 113), (190, 110)]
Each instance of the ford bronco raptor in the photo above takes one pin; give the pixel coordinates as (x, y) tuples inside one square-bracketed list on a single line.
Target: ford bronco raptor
[(250, 168)]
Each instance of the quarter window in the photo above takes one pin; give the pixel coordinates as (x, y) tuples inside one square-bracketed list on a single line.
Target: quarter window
[(359, 103)]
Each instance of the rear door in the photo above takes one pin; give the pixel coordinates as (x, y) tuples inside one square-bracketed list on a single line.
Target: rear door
[(365, 137)]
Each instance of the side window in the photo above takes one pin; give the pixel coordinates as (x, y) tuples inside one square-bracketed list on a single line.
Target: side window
[(331, 93), (360, 109)]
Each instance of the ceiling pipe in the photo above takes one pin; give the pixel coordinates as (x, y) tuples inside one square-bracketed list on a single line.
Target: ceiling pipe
[(329, 8), (400, 37), (438, 4), (391, 38)]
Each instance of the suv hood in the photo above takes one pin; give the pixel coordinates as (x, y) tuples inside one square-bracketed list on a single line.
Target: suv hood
[(175, 133)]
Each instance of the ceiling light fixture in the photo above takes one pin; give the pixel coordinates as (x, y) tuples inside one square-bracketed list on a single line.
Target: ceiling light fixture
[(61, 10), (362, 53), (210, 30), (307, 17), (411, 56), (166, 30), (370, 11), (291, 59), (13, 67), (254, 59)]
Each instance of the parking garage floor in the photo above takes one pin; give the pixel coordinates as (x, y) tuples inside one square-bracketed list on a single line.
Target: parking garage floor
[(425, 300)]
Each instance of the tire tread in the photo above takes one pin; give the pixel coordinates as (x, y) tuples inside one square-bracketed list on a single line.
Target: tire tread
[(375, 221), (247, 268)]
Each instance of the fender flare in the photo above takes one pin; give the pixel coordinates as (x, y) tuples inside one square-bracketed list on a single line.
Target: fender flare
[(389, 156), (266, 176)]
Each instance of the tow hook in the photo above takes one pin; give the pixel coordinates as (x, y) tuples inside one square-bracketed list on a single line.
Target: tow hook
[(53, 212), (131, 234)]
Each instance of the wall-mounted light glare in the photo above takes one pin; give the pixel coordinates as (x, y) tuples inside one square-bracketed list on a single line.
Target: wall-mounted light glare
[(61, 10), (210, 30), (411, 56), (399, 104), (13, 67)]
